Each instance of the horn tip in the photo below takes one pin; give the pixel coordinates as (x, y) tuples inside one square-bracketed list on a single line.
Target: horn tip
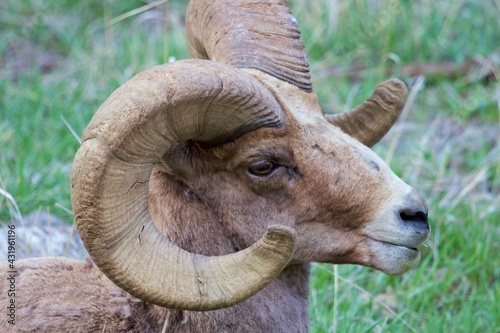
[(396, 87), (280, 236)]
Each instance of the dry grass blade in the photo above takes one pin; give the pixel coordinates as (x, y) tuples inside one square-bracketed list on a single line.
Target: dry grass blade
[(16, 213), (335, 297), (71, 129), (135, 12)]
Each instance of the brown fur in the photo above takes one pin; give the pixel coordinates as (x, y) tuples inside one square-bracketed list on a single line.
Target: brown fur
[(342, 200), (59, 294), (328, 189)]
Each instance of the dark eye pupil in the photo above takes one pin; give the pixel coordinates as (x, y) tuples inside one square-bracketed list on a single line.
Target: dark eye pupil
[(262, 168)]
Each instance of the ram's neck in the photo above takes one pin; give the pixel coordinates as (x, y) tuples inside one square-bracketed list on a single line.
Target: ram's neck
[(282, 307), (190, 223)]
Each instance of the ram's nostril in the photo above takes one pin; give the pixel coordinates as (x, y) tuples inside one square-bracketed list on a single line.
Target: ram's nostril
[(414, 216)]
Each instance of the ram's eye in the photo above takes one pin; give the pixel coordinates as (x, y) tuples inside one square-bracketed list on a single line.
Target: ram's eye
[(262, 168)]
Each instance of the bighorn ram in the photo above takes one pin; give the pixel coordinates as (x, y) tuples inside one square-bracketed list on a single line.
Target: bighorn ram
[(184, 168)]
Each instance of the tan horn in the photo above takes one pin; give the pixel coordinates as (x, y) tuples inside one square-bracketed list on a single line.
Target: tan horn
[(249, 34), (185, 100), (370, 121)]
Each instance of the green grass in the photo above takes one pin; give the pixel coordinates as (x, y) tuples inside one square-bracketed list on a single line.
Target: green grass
[(59, 61)]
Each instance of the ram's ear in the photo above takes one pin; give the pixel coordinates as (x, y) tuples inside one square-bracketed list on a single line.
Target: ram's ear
[(370, 121), (182, 160)]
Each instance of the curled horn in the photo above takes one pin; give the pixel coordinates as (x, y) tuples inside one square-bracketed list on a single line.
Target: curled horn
[(185, 100), (254, 34), (370, 121), (264, 36)]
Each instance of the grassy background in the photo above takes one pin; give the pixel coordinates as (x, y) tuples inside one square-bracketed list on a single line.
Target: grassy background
[(59, 60)]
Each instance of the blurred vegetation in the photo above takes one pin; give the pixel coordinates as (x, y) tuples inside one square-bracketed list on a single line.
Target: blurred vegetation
[(59, 60)]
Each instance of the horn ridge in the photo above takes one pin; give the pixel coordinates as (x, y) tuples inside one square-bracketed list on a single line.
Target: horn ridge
[(249, 34)]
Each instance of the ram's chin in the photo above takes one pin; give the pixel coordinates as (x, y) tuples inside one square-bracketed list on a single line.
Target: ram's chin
[(393, 259)]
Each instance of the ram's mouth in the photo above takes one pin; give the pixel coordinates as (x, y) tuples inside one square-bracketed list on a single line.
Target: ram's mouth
[(397, 245), (393, 258)]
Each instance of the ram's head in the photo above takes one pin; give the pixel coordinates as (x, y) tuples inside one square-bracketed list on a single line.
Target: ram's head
[(239, 131)]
